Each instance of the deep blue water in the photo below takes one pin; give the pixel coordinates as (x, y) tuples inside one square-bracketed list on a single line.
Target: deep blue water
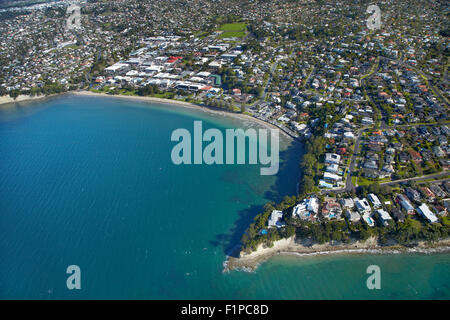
[(90, 182)]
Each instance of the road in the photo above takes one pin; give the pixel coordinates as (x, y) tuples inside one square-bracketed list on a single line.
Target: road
[(269, 80), (431, 176), (349, 184)]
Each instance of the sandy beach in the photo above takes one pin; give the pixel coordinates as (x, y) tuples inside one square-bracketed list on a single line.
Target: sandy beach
[(7, 102), (251, 261)]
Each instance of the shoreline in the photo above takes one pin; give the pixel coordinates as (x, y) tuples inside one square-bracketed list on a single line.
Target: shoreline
[(7, 102), (251, 261), (189, 105)]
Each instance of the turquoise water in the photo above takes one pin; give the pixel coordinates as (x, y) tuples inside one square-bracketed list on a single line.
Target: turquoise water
[(90, 182)]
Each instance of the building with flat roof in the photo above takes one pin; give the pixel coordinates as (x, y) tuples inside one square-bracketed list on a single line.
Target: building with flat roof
[(332, 158), (331, 177), (353, 216), (427, 213), (362, 205), (374, 199), (384, 217), (275, 219), (332, 168), (404, 202), (307, 209)]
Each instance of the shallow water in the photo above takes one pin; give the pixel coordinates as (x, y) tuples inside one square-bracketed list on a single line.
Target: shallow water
[(89, 181)]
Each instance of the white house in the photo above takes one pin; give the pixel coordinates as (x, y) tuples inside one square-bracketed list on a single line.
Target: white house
[(275, 219), (375, 201), (353, 216), (331, 177), (332, 158), (332, 168), (347, 203), (427, 213), (384, 217), (362, 206)]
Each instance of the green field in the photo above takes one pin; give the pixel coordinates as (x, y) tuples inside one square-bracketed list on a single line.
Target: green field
[(238, 26), (233, 30)]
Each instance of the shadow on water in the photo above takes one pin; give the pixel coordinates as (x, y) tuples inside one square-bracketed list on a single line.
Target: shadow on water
[(285, 185)]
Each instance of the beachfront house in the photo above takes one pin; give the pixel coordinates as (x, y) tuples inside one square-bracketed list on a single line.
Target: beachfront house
[(307, 209), (384, 217), (352, 216), (362, 205), (375, 201), (347, 203), (275, 219), (331, 209), (406, 205), (427, 213)]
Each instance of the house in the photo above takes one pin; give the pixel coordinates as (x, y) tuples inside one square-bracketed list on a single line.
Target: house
[(370, 164), (341, 151), (362, 206), (438, 152), (366, 121), (438, 191), (415, 156), (349, 135), (275, 219), (412, 194), (331, 177), (426, 213), (347, 203), (352, 216), (375, 201), (331, 209), (406, 205), (447, 186), (323, 184), (118, 68), (387, 170), (384, 217), (307, 209), (236, 92), (440, 210), (427, 193), (332, 168), (332, 158)]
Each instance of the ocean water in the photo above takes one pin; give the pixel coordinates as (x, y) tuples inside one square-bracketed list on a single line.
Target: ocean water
[(89, 182)]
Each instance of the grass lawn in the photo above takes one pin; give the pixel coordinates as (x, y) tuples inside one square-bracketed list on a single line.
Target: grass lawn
[(364, 182), (233, 30), (238, 26)]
